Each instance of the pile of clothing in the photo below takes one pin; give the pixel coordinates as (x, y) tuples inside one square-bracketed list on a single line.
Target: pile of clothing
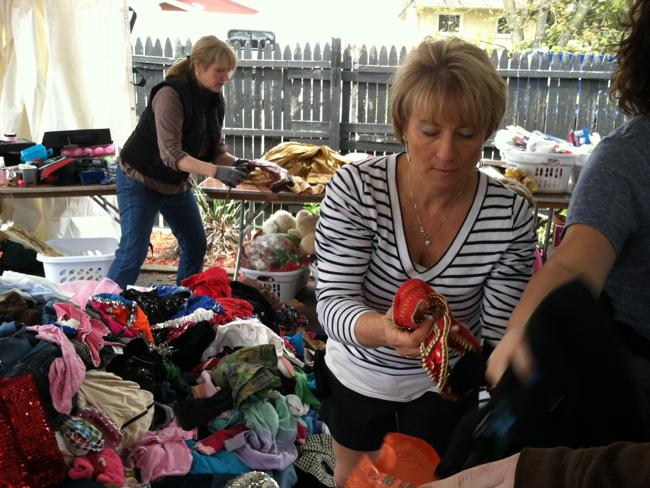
[(166, 385)]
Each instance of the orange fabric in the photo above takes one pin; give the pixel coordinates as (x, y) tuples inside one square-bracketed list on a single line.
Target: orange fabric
[(403, 461), (141, 323)]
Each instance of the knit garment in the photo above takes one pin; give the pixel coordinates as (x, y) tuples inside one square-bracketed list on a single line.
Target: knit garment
[(81, 437)]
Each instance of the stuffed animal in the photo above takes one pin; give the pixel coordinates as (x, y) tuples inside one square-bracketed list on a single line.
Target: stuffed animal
[(306, 225), (279, 223), (105, 467), (302, 228)]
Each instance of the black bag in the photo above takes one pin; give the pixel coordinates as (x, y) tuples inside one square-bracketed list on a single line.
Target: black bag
[(581, 394), (261, 306), (15, 257)]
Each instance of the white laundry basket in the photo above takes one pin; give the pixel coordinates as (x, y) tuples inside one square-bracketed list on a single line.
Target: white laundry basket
[(285, 284), (87, 258), (551, 171)]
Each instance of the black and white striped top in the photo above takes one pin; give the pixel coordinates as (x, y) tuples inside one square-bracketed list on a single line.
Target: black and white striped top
[(363, 258)]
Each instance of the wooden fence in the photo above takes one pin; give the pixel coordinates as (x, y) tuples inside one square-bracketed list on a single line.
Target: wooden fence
[(339, 97)]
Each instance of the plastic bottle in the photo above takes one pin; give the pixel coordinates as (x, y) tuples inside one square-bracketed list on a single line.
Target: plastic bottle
[(3, 172)]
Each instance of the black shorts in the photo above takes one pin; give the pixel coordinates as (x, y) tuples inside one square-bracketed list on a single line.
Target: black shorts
[(359, 422)]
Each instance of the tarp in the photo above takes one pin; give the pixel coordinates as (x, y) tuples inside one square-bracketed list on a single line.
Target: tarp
[(64, 65)]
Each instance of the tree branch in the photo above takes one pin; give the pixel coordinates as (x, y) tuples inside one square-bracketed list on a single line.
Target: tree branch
[(582, 8)]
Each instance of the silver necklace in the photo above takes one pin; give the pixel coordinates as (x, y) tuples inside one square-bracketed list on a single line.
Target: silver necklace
[(427, 237)]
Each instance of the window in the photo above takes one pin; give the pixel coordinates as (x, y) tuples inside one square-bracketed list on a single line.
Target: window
[(502, 26), (448, 23), (256, 38)]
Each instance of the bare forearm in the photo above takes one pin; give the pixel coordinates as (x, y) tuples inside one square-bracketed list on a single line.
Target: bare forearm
[(373, 329), (552, 275), (369, 330), (584, 254)]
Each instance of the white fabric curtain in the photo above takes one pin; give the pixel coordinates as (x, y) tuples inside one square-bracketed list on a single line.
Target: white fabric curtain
[(64, 65)]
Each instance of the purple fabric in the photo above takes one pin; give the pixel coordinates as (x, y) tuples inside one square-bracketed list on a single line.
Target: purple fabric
[(259, 453)]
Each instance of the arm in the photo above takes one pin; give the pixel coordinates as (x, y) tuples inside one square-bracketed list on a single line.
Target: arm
[(603, 213), (619, 464), (168, 113), (344, 244), (498, 474), (509, 276), (584, 253)]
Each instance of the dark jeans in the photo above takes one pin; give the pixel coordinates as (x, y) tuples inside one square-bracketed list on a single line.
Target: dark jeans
[(139, 205)]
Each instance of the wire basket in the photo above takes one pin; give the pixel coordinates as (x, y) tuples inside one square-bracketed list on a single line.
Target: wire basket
[(551, 171), (88, 258), (285, 284)]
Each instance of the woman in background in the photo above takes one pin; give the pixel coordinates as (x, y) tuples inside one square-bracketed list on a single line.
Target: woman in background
[(179, 132)]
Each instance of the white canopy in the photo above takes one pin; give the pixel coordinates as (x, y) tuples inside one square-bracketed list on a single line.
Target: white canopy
[(64, 65)]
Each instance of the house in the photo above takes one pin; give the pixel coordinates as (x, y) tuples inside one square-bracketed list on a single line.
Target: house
[(480, 21)]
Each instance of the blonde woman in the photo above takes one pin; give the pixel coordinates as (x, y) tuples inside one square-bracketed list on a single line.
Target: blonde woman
[(179, 132), (424, 213)]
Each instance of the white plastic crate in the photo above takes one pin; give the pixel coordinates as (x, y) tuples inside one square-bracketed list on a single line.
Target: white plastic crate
[(87, 258), (551, 171), (285, 284)]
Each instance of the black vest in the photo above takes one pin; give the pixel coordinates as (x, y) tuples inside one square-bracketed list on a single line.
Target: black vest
[(203, 113)]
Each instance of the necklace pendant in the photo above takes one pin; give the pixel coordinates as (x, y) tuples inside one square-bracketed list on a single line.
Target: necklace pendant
[(427, 242)]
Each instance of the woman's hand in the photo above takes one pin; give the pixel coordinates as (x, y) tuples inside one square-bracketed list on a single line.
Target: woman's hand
[(406, 343), (502, 355), (229, 175), (513, 350), (498, 474)]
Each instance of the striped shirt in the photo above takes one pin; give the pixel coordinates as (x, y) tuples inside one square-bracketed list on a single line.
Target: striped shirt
[(363, 258)]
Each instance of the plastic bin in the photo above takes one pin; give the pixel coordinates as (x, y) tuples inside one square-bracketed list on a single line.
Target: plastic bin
[(285, 284), (88, 258), (551, 171)]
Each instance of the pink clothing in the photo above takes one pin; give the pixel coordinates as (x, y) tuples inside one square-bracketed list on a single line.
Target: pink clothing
[(161, 453), (66, 373), (84, 289), (89, 331), (104, 467)]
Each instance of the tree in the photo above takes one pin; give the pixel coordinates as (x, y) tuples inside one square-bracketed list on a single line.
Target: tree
[(574, 25)]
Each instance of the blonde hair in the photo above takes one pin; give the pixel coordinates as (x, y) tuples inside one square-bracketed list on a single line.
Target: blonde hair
[(452, 69), (207, 51)]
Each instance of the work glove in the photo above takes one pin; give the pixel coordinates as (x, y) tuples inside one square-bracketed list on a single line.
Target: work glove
[(280, 177), (229, 176)]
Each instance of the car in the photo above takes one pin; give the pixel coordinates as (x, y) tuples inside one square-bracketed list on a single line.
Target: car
[(257, 38)]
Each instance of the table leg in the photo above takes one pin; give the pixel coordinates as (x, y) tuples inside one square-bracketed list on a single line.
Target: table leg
[(547, 233), (240, 240), (112, 211), (247, 216)]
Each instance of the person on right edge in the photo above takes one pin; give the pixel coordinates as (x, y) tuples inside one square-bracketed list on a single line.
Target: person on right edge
[(607, 238), (607, 245), (618, 465)]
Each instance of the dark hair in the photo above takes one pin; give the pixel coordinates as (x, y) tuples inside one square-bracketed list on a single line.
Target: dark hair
[(631, 80)]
